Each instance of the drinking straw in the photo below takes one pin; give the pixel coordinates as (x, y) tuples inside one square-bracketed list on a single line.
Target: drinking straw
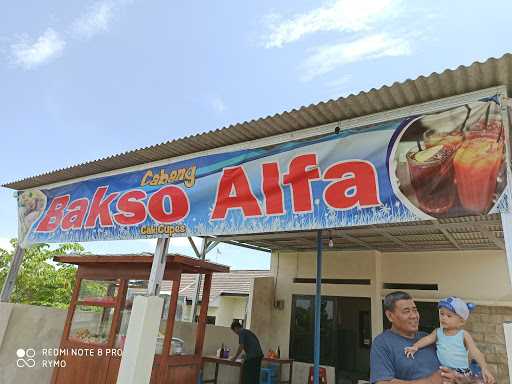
[(499, 136), (466, 119), (418, 141), (487, 113)]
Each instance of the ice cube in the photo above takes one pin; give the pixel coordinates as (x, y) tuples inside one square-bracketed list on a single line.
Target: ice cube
[(429, 154)]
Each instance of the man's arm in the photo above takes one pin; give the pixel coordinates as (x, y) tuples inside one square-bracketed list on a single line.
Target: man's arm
[(382, 368), (435, 378), (444, 376)]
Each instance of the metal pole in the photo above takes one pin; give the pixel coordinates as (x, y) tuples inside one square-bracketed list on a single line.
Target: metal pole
[(199, 278), (10, 279), (158, 266), (318, 303), (507, 327)]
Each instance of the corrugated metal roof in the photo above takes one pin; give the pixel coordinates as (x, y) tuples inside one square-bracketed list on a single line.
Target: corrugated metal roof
[(464, 79), (463, 233)]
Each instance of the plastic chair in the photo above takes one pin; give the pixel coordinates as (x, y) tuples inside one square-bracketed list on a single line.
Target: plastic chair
[(322, 375), (266, 376)]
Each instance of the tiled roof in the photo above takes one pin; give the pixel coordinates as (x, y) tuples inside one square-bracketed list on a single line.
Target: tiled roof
[(236, 282)]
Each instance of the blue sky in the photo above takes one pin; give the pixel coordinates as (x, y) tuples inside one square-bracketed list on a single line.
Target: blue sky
[(80, 80)]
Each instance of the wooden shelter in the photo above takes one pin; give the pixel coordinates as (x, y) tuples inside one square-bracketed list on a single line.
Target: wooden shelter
[(90, 349)]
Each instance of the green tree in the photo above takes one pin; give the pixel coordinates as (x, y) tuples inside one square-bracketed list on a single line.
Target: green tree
[(40, 280)]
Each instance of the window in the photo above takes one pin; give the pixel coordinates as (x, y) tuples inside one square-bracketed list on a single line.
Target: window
[(93, 315), (241, 321), (302, 329), (209, 319), (178, 346), (429, 317)]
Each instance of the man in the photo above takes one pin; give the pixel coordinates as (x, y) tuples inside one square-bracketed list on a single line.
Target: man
[(388, 362), (249, 343)]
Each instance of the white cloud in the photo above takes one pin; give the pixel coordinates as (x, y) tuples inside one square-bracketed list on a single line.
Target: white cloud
[(342, 16), (339, 81), (328, 57), (218, 105), (29, 55), (97, 19), (5, 244), (339, 85)]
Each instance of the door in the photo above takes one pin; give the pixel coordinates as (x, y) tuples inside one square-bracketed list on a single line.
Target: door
[(345, 334), (353, 329), (302, 329)]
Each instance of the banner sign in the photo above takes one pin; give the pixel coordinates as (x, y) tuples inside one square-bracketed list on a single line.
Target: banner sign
[(444, 164)]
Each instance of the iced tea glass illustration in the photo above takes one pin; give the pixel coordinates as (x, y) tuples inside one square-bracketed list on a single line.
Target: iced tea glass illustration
[(491, 128), (432, 177), (433, 137), (477, 164)]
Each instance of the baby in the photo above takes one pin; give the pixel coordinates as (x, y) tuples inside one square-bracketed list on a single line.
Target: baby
[(452, 341)]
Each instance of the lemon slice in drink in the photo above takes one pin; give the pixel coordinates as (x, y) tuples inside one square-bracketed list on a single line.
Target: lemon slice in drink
[(428, 154)]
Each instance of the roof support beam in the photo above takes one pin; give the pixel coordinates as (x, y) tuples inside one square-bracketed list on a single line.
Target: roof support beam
[(10, 280), (390, 237), (249, 246), (194, 247), (352, 239), (199, 277), (212, 245), (446, 234), (264, 236)]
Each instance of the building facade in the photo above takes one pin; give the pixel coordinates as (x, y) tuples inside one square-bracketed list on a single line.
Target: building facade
[(354, 284)]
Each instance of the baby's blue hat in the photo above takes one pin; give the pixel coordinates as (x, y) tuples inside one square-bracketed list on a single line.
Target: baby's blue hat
[(457, 306)]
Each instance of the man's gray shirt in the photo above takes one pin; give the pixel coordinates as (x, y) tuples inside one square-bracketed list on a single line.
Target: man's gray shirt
[(388, 360), (251, 344)]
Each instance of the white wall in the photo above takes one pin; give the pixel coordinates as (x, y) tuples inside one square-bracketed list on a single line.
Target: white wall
[(259, 310), (33, 327), (230, 307), (289, 265), (36, 327), (187, 311), (224, 308), (479, 276)]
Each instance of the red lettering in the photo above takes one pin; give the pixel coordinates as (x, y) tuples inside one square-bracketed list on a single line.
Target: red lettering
[(234, 191), (357, 185), (53, 217), (75, 215), (131, 209), (274, 204), (178, 200), (302, 170), (100, 208)]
